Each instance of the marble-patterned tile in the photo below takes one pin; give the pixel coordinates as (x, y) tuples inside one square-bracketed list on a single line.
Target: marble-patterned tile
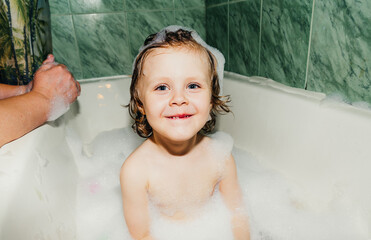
[(103, 45), (96, 6), (149, 4), (142, 24), (214, 2), (64, 44), (194, 19), (217, 30), (340, 59), (244, 27), (284, 40), (180, 4), (59, 7)]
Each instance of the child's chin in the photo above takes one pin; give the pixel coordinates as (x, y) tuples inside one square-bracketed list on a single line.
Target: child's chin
[(182, 136)]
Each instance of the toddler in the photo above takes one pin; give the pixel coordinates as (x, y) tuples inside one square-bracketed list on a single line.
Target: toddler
[(174, 101)]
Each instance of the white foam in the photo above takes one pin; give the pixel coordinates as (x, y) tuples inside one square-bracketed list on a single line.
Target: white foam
[(58, 107), (223, 142), (221, 147), (212, 222), (277, 208), (99, 207), (220, 60)]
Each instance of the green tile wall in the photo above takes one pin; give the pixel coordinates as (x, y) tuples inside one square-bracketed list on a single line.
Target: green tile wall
[(318, 45), (64, 43), (244, 27), (98, 38), (340, 57), (217, 29), (284, 40), (141, 24), (101, 44)]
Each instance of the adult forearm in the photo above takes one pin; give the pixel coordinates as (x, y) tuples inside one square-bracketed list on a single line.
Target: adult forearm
[(7, 91), (19, 115)]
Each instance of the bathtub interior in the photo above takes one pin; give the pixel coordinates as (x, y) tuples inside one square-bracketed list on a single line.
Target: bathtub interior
[(316, 142), (38, 172), (37, 186), (320, 145)]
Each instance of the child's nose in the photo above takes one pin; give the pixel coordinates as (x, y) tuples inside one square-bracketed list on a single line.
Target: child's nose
[(179, 98)]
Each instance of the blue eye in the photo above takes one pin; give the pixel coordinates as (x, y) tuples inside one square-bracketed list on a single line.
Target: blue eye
[(193, 86), (162, 88)]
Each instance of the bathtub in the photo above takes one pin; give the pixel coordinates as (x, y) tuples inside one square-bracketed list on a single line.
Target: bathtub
[(321, 145)]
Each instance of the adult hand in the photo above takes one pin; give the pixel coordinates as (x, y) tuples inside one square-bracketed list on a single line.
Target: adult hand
[(53, 90), (53, 80), (55, 83)]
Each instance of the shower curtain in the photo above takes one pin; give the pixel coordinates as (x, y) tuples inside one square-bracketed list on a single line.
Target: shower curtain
[(25, 39)]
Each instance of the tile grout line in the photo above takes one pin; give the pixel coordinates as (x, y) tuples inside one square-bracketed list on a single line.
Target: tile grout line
[(128, 42), (76, 43), (174, 11), (217, 5), (205, 21), (228, 36), (236, 1), (260, 34), (126, 11), (129, 38), (309, 46)]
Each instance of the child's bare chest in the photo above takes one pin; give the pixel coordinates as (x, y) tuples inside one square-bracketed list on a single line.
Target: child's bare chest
[(177, 190)]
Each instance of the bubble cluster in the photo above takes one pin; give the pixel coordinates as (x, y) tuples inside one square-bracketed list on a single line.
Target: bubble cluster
[(161, 35), (58, 107), (277, 208)]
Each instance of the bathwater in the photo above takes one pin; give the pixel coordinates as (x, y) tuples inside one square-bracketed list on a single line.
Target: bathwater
[(277, 207)]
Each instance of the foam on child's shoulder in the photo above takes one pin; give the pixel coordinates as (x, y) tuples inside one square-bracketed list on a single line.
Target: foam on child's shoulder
[(222, 143)]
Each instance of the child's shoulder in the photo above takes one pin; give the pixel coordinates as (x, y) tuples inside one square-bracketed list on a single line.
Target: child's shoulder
[(135, 170), (138, 159)]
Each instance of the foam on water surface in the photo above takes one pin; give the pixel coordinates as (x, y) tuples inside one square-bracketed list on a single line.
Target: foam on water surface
[(277, 208), (211, 222)]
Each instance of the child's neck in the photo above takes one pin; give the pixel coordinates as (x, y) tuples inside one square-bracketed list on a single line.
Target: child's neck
[(176, 148)]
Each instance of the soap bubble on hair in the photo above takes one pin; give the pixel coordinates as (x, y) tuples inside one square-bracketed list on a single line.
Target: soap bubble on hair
[(220, 60)]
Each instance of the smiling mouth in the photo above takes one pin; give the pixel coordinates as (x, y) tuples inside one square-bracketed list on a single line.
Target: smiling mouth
[(180, 116)]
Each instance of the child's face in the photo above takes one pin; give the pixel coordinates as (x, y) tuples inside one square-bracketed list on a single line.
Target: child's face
[(175, 90)]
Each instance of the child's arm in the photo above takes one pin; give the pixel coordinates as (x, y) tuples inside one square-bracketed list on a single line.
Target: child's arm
[(133, 180), (232, 196)]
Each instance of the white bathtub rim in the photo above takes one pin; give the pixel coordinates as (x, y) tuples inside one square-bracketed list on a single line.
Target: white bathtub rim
[(108, 78), (324, 100)]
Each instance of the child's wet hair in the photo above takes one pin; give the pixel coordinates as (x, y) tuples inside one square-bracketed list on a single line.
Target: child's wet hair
[(173, 39)]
